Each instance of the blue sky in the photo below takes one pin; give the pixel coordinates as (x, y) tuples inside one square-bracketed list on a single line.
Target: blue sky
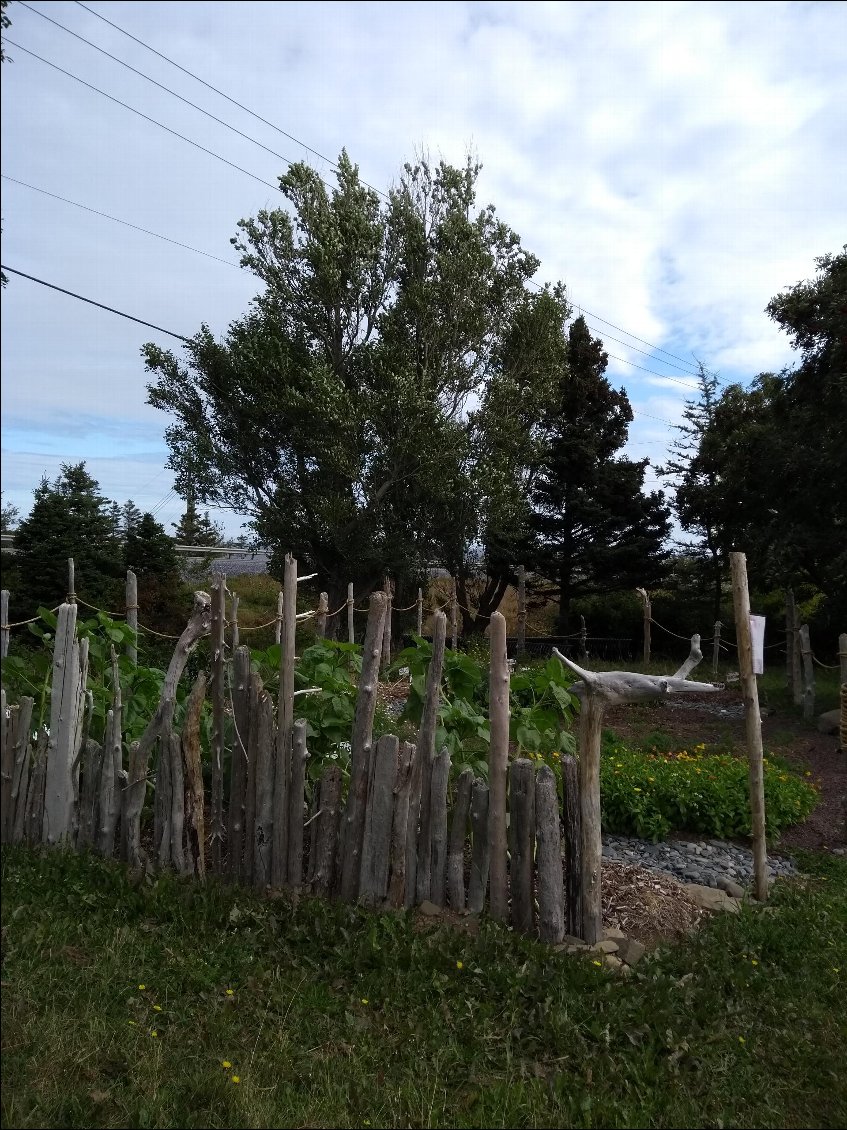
[(675, 164)]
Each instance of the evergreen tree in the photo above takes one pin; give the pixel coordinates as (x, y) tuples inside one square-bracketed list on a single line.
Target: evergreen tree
[(151, 554), (130, 517), (69, 518), (595, 530), (195, 528)]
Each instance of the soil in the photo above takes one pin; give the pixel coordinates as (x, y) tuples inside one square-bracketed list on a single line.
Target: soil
[(718, 718)]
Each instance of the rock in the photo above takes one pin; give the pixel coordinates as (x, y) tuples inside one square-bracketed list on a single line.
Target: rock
[(614, 932), (429, 908), (607, 945), (570, 940), (829, 722), (731, 887), (613, 962), (711, 899), (631, 951)]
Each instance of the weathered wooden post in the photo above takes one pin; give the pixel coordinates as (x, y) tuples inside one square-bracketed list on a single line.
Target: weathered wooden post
[(419, 839), (388, 589), (299, 757), (645, 600), (219, 591), (361, 752), (71, 599), (454, 617), (456, 849), (522, 841), (400, 826), (842, 656), (480, 853), (262, 746), (520, 642), (320, 619), (596, 691), (376, 844), (420, 612), (573, 845), (351, 631), (326, 846), (131, 599), (790, 613), (59, 768), (438, 802), (752, 720), (195, 834), (238, 791), (551, 901), (284, 725), (716, 647), (583, 638), (20, 769), (278, 622), (498, 759), (4, 623), (808, 674), (234, 625), (796, 657)]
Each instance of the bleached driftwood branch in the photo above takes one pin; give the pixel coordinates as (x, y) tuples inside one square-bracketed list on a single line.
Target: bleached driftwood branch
[(612, 687)]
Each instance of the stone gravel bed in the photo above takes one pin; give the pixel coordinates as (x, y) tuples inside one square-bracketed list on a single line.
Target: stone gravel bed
[(712, 863)]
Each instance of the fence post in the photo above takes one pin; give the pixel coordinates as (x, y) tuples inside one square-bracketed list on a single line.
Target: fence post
[(842, 656), (376, 843), (320, 619), (388, 589), (438, 808), (419, 842), (234, 614), (400, 826), (520, 642), (456, 849), (808, 674), (132, 615), (240, 699), (583, 636), (645, 600), (218, 718), (789, 639), (4, 623), (299, 757), (551, 902), (573, 845), (58, 785), (351, 631), (278, 624), (71, 599), (454, 609), (521, 841), (284, 725), (361, 752), (420, 612), (480, 853), (716, 647), (752, 720), (498, 758)]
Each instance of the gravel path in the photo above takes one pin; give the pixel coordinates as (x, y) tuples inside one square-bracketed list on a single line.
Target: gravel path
[(713, 863)]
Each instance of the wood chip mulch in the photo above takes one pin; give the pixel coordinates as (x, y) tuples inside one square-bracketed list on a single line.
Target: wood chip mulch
[(650, 907)]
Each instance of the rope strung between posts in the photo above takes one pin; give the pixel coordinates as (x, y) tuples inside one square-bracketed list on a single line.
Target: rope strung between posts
[(21, 623), (827, 666)]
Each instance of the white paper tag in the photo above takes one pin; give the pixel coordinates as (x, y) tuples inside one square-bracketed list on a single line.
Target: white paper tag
[(757, 637)]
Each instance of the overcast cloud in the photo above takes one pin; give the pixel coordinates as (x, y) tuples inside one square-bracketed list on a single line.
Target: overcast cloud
[(675, 164)]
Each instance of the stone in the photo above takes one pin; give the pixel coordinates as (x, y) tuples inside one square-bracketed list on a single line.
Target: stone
[(730, 886), (710, 899), (429, 908), (631, 951), (607, 945), (613, 962), (626, 970), (614, 932), (829, 722)]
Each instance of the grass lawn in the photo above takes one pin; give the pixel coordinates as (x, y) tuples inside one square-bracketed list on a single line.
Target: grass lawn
[(164, 1004)]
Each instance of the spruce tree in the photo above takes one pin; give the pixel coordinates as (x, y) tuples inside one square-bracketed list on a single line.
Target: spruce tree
[(595, 531), (194, 528), (69, 518)]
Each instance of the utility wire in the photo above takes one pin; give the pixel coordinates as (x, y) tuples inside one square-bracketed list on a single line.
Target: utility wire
[(332, 164), (161, 86), (117, 220), (91, 302), (146, 117)]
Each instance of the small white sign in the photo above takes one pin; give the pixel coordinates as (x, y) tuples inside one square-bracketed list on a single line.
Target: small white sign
[(757, 637)]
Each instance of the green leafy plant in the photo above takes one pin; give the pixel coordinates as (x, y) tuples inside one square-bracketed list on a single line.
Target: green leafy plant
[(651, 794)]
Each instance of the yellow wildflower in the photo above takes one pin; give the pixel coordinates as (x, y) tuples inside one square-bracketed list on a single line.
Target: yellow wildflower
[(154, 1034), (741, 1040), (230, 992), (365, 1000), (596, 962), (225, 1063), (459, 965), (236, 1078), (157, 1008), (142, 988)]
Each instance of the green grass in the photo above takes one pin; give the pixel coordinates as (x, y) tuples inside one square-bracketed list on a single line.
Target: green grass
[(340, 1018)]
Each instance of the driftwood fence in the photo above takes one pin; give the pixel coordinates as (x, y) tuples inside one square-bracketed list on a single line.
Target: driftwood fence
[(391, 839)]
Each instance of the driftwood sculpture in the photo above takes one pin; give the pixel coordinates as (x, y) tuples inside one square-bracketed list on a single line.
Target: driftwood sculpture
[(596, 691)]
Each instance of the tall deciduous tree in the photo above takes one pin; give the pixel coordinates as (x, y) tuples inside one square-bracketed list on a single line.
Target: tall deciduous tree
[(335, 413), (69, 518), (595, 528)]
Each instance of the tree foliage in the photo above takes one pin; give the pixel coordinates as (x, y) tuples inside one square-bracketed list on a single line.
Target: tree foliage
[(195, 528)]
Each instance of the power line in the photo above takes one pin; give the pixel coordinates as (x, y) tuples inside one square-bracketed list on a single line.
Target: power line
[(91, 302), (647, 353), (146, 117), (332, 164), (656, 348), (161, 86), (664, 376), (117, 220)]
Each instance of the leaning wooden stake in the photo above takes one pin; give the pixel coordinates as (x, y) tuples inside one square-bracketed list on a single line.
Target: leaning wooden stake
[(808, 674), (195, 846), (498, 758), (551, 901), (522, 841), (361, 752), (645, 601), (458, 835), (596, 691), (419, 850), (752, 720)]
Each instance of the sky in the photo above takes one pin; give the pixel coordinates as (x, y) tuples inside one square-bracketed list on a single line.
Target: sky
[(676, 165)]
